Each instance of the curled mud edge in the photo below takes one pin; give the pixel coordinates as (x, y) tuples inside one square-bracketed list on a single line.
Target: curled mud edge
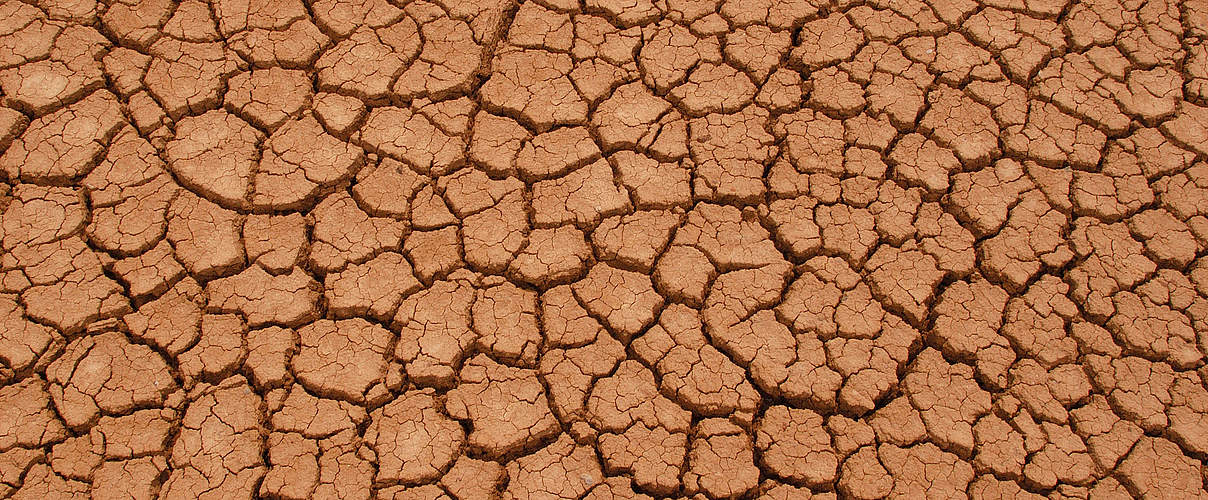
[(603, 249)]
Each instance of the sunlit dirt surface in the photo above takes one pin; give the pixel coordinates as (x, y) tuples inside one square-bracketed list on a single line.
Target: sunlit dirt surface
[(603, 249)]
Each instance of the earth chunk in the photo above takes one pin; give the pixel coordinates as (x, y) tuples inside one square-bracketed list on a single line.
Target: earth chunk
[(343, 358), (507, 407), (413, 440)]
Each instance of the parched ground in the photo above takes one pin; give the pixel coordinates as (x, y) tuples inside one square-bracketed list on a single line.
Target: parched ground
[(603, 249)]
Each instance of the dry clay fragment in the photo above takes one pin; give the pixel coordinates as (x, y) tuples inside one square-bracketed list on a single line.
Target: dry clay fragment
[(450, 57), (219, 349), (969, 318), (701, 378), (553, 256), (300, 159), (269, 351), (205, 235), (22, 342), (268, 97), (365, 63), (65, 271), (794, 444), (188, 77), (315, 417), (28, 420), (731, 151), (219, 449), (925, 471), (581, 197), (642, 431), (534, 85), (1156, 467), (434, 254), (505, 317), (66, 144), (72, 71), (413, 138), (130, 192), (507, 407), (36, 215), (388, 189), (635, 240), (721, 460), (737, 315), (472, 478), (948, 398), (561, 470), (138, 478), (214, 154), (171, 322), (669, 52), (1189, 128), (712, 88), (42, 482), (434, 332), (555, 152), (905, 280), (150, 273), (341, 359), (281, 35), (276, 242), (28, 34), (413, 440), (623, 300), (287, 299), (495, 142), (106, 374), (344, 471), (344, 234), (295, 468), (374, 288)]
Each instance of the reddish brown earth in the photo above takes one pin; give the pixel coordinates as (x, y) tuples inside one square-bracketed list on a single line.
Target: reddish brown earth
[(603, 249)]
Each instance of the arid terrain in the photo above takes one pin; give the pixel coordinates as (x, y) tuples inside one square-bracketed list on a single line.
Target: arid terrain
[(603, 249)]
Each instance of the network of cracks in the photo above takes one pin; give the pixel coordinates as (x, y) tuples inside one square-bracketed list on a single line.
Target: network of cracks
[(603, 249)]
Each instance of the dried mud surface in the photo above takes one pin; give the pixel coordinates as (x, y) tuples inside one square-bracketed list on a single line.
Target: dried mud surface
[(603, 249)]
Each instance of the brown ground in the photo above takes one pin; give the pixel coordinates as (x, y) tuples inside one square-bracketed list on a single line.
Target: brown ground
[(603, 249)]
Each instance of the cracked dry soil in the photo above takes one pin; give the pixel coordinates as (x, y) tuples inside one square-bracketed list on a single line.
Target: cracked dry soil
[(603, 249)]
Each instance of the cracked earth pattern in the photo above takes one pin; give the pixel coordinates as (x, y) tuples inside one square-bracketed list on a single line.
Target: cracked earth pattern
[(603, 249)]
